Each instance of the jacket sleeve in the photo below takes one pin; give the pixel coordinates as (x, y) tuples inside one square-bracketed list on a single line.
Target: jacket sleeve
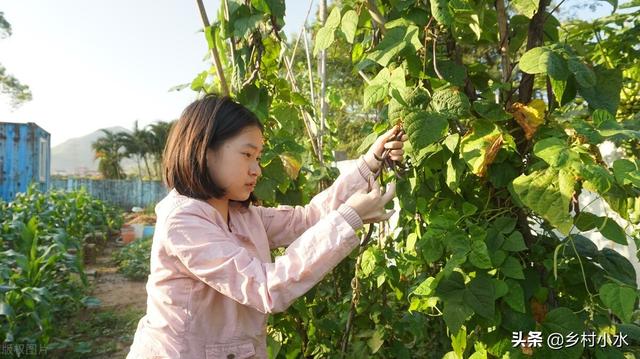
[(283, 224), (214, 257)]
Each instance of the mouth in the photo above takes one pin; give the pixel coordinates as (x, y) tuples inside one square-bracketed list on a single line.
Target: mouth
[(251, 185)]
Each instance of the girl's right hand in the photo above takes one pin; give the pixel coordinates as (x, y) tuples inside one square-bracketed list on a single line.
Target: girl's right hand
[(370, 206)]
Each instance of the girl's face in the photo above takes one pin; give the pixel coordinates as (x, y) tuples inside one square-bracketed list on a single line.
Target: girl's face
[(236, 165)]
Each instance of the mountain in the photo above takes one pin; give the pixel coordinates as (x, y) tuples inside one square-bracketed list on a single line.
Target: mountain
[(76, 157)]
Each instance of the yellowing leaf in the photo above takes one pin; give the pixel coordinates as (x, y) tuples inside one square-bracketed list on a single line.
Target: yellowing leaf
[(490, 155), (291, 165), (480, 146), (530, 116)]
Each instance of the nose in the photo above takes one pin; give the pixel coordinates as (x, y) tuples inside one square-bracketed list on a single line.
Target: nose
[(255, 169)]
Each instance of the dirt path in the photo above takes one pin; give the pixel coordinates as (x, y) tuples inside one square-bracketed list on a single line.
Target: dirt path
[(112, 288), (117, 294)]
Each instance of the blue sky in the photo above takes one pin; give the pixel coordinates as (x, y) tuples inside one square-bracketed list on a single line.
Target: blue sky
[(95, 64)]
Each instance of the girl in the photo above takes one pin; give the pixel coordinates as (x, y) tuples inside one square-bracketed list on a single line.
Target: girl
[(212, 281)]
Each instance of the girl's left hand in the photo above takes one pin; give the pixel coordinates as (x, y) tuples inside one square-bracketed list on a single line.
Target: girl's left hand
[(385, 141)]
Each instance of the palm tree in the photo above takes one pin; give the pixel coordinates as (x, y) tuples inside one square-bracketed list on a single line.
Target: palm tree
[(107, 150), (158, 134), (136, 145)]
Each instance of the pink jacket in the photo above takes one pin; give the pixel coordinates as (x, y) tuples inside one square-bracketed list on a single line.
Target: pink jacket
[(210, 289)]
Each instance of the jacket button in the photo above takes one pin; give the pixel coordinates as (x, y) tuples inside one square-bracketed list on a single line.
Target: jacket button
[(231, 356)]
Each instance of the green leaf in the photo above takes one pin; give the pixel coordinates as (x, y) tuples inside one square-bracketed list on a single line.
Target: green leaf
[(514, 243), (491, 111), (451, 287), (500, 288), (326, 35), (454, 73), (606, 93), (554, 151), (548, 193), (276, 8), (324, 39), (607, 226), (441, 12), (632, 330), (244, 25), (504, 225), (450, 102), (512, 268), (563, 321), (617, 266), (424, 128), (374, 94), (349, 25), (479, 255), (630, 4), (584, 75), (397, 80), (395, 40), (558, 87), (432, 249), (543, 60), (255, 99), (376, 340), (515, 297), (626, 173), (455, 314), (368, 262), (480, 296), (620, 299), (597, 178), (612, 230), (426, 288), (333, 20), (198, 83), (527, 8), (584, 246), (601, 117), (264, 189), (459, 342)]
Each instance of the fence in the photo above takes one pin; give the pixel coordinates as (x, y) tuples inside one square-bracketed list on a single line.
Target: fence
[(122, 193)]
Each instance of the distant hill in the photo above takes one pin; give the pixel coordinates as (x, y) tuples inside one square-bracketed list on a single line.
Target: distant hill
[(75, 156)]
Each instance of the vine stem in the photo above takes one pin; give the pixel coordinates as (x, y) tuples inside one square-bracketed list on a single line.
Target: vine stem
[(214, 49)]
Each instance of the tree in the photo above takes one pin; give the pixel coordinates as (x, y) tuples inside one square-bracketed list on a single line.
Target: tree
[(158, 133), (9, 85), (109, 152), (135, 146)]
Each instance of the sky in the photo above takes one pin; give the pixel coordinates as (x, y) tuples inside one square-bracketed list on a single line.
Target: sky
[(97, 64)]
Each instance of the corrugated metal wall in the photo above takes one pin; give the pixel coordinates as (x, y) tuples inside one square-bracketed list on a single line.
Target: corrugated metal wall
[(123, 193), (25, 157)]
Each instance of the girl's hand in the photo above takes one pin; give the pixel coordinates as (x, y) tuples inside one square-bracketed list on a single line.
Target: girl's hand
[(370, 206), (385, 141)]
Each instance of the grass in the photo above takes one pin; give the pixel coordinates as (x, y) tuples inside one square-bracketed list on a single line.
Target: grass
[(96, 334)]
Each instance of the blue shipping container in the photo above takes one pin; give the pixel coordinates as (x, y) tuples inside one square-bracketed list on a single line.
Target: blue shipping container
[(25, 157)]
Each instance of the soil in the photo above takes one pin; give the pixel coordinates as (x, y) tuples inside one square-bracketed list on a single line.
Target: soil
[(112, 288)]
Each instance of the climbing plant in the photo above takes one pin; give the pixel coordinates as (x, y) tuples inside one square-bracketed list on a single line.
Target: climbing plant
[(505, 107)]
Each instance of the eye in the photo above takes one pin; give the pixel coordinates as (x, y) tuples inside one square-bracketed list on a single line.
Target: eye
[(247, 154), (259, 159)]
